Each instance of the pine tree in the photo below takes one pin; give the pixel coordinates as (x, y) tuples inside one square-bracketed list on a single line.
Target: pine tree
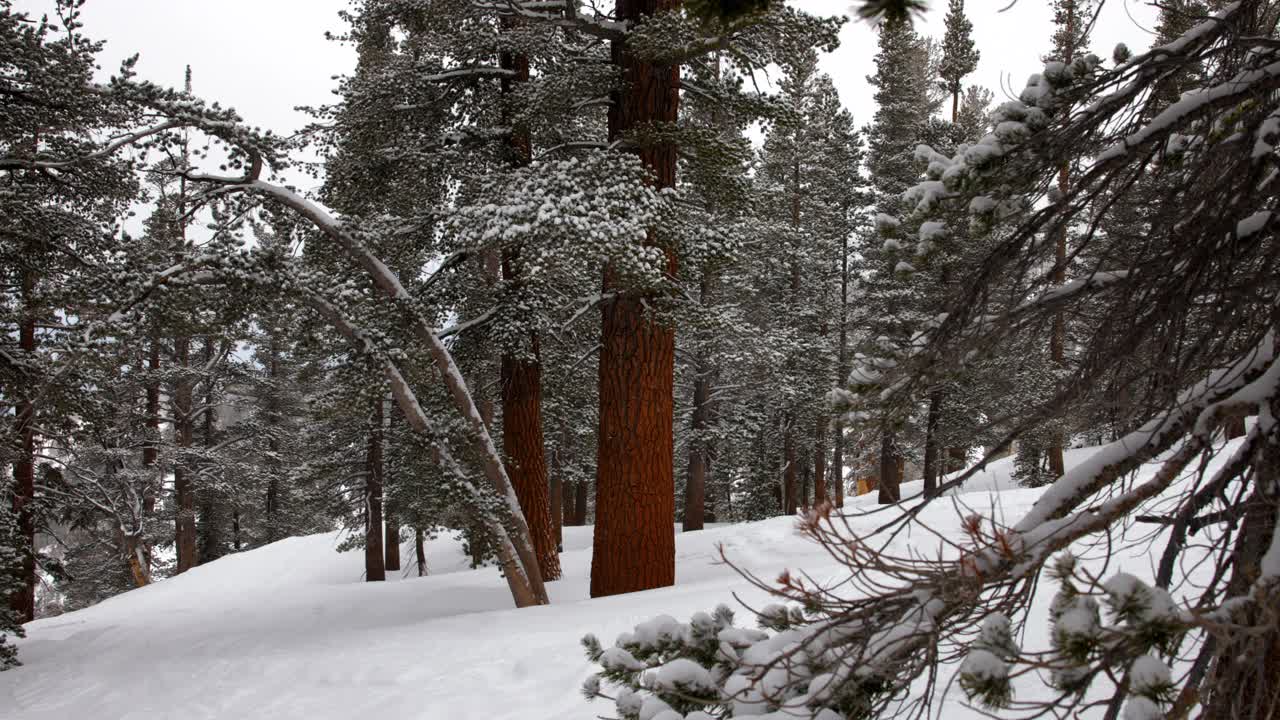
[(959, 55)]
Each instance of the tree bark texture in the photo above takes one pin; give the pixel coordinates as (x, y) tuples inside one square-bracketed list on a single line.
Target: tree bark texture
[(374, 570), (183, 484), (273, 483), (526, 463), (634, 543)]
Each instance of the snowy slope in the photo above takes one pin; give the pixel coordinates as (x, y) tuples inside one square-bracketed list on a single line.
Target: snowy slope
[(290, 631)]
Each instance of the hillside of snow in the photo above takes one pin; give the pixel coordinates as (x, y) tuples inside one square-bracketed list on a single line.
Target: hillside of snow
[(291, 631)]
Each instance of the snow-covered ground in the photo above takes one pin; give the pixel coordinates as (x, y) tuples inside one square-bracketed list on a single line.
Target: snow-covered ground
[(290, 631)]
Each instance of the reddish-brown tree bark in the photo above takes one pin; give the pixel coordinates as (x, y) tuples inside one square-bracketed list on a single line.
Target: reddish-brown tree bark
[(374, 570), (522, 440), (634, 542)]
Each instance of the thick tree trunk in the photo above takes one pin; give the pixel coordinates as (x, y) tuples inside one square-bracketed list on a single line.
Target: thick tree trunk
[(522, 440), (890, 470), (374, 570), (23, 602), (931, 444), (820, 461), (634, 542), (183, 485)]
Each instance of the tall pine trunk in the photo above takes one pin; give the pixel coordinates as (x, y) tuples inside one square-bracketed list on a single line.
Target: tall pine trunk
[(374, 570), (522, 437), (557, 498), (183, 483), (23, 602), (420, 551), (634, 542)]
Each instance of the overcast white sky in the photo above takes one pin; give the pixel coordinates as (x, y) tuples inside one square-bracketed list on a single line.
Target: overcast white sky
[(266, 57)]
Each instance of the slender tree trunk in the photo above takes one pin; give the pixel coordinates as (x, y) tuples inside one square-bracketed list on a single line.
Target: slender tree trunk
[(890, 470), (820, 461), (1057, 339), (183, 485), (391, 544), (931, 444), (151, 448), (273, 482), (374, 570), (557, 498), (420, 550), (211, 511), (23, 602), (580, 503), (570, 490), (695, 485), (790, 482), (634, 541)]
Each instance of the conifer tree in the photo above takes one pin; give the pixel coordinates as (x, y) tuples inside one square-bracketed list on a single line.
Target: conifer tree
[(959, 55)]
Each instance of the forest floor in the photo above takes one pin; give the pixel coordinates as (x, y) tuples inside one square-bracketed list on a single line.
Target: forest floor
[(290, 631)]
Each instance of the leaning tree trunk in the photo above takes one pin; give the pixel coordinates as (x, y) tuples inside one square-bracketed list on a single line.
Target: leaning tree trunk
[(374, 570), (23, 601), (183, 485), (634, 542)]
